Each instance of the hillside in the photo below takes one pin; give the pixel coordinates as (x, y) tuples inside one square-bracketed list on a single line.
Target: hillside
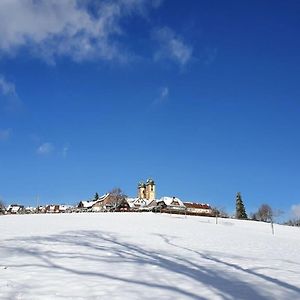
[(146, 256)]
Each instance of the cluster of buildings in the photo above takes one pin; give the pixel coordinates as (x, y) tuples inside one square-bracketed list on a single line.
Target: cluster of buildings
[(114, 202), (14, 209)]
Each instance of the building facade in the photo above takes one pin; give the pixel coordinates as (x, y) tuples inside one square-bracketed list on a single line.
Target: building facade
[(146, 190)]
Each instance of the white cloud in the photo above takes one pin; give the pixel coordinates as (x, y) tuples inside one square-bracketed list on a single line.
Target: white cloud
[(163, 96), (5, 134), (296, 210), (164, 93), (7, 88), (172, 46), (45, 148), (54, 28), (10, 101)]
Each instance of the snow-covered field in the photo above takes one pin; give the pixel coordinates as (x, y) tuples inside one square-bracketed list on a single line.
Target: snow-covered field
[(146, 256)]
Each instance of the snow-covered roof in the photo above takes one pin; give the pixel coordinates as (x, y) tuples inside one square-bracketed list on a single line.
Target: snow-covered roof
[(30, 208), (91, 203), (15, 208), (131, 202), (64, 207), (137, 202), (169, 200)]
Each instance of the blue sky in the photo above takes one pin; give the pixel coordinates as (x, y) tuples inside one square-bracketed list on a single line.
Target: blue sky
[(203, 97)]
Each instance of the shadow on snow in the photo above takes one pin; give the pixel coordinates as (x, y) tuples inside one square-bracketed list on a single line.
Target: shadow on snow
[(84, 247)]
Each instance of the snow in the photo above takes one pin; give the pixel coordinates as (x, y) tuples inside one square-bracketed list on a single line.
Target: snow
[(146, 256), (90, 203), (64, 207), (138, 203), (15, 209), (169, 200)]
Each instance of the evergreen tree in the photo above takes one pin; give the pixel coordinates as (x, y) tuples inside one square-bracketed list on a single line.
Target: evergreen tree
[(240, 212), (2, 207), (96, 197)]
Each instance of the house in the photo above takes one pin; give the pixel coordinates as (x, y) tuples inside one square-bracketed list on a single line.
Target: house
[(94, 205), (52, 208), (170, 204), (30, 210), (150, 205), (198, 208), (14, 209), (111, 202), (138, 204), (41, 209), (135, 203), (123, 205), (65, 208), (90, 205)]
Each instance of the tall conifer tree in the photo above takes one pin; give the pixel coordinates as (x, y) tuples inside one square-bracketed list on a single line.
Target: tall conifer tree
[(240, 212)]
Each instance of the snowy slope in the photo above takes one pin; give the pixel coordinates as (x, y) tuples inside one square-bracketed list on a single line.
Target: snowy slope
[(146, 256)]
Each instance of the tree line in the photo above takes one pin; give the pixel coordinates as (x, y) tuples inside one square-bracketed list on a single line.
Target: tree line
[(265, 213)]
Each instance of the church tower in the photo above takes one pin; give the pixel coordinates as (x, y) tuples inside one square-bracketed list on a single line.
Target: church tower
[(141, 190), (150, 189), (146, 190)]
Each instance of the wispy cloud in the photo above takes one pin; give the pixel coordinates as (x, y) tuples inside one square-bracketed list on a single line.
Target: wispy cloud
[(81, 30), (163, 96), (11, 100), (296, 210), (164, 93), (45, 148), (5, 134), (172, 46), (7, 88), (65, 151)]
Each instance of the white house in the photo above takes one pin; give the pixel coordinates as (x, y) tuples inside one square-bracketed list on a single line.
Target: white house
[(93, 205)]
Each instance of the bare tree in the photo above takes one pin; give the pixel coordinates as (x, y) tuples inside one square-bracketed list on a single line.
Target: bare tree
[(293, 222), (265, 213), (116, 197)]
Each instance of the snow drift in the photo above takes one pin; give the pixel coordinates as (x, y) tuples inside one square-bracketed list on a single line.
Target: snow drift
[(146, 256)]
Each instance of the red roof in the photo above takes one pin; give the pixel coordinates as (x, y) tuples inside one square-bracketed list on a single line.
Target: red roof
[(196, 205)]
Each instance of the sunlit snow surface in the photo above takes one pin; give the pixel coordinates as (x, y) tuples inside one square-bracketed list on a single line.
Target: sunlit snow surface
[(146, 256)]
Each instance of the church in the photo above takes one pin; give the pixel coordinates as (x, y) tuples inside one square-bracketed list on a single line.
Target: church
[(146, 190)]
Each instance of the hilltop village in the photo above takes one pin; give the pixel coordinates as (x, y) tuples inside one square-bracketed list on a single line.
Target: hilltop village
[(115, 201)]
